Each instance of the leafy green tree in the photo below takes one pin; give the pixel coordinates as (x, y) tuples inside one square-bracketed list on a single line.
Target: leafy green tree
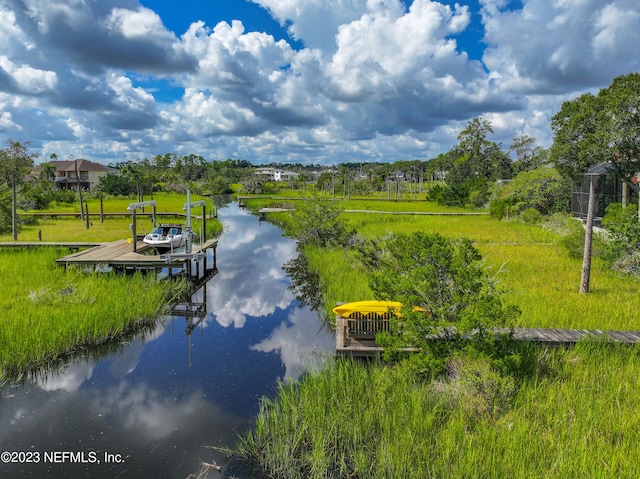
[(593, 129), (48, 172), (253, 185), (623, 231), (450, 301), (477, 157), (38, 193), (191, 167), (117, 185), (473, 165), (134, 173), (317, 222), (529, 156), (543, 189), (15, 163), (5, 209), (605, 127), (219, 185)]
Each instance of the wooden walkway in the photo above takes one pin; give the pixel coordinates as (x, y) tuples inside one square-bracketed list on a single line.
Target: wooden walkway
[(263, 211), (356, 339)]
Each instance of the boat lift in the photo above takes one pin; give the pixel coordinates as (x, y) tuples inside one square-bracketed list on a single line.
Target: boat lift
[(132, 208), (187, 207)]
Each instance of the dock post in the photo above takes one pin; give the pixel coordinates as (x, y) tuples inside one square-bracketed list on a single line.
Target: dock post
[(133, 229), (101, 208), (204, 223)]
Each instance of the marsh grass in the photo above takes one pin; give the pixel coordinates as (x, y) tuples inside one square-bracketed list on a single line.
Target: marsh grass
[(49, 313), (537, 273), (561, 419), (561, 413)]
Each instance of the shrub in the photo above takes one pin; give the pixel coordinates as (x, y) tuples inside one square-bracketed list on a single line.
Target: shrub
[(531, 216), (498, 208), (317, 222), (543, 189), (475, 387), (623, 230), (458, 301)]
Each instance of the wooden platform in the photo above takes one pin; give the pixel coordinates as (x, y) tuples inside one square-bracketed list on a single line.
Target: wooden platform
[(119, 253), (355, 339)]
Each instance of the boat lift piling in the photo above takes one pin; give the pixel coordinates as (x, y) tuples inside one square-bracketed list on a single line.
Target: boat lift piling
[(133, 207), (187, 207)]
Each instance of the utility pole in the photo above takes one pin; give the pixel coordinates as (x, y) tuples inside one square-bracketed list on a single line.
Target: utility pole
[(588, 238)]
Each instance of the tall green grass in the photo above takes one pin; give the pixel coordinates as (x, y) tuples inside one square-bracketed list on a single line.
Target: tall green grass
[(343, 279), (564, 412), (49, 313), (536, 272), (573, 414)]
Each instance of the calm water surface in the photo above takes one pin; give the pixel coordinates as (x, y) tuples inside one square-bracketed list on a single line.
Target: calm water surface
[(152, 408)]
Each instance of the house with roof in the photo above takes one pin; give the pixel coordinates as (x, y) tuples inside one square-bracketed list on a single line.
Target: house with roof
[(89, 173), (284, 175)]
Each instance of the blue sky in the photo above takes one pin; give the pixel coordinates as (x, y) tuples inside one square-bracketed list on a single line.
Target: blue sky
[(309, 81)]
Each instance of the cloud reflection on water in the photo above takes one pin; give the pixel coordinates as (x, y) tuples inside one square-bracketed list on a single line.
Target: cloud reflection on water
[(298, 342), (147, 402)]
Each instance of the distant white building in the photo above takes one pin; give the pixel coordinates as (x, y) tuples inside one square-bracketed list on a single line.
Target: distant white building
[(282, 175), (274, 174)]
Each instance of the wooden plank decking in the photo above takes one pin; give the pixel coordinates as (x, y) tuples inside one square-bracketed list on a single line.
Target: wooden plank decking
[(119, 253), (361, 342)]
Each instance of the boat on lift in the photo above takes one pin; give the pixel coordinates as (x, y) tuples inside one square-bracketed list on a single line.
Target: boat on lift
[(168, 236)]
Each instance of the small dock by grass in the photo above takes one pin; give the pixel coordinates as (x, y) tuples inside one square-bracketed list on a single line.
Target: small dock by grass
[(357, 337), (119, 256)]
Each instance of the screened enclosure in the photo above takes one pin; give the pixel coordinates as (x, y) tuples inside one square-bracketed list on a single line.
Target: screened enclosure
[(609, 188)]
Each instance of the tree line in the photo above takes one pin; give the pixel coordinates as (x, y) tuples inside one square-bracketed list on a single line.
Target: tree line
[(474, 172)]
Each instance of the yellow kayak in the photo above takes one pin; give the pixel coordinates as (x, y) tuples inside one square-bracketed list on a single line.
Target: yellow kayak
[(367, 309)]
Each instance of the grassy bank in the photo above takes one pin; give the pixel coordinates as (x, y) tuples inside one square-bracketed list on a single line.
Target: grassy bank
[(49, 313), (563, 413), (53, 313), (573, 414)]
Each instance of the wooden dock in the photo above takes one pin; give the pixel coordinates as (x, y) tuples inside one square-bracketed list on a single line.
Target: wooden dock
[(119, 255), (353, 338)]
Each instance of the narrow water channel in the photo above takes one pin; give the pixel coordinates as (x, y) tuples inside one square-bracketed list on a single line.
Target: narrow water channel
[(155, 406)]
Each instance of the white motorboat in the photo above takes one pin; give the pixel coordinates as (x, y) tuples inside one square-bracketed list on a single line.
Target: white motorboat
[(166, 236)]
